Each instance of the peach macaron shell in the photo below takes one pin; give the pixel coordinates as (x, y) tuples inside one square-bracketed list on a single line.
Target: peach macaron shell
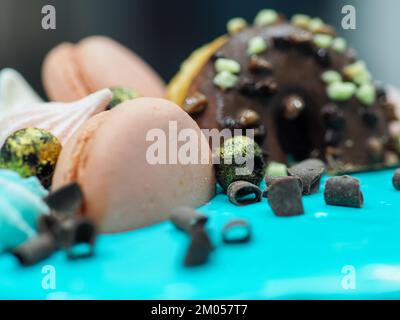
[(122, 190), (72, 71)]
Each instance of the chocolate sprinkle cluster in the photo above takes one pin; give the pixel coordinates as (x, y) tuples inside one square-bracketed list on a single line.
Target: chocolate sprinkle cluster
[(301, 89)]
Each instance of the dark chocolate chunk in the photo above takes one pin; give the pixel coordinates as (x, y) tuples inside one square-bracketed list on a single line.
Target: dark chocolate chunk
[(195, 103), (309, 172), (243, 193), (79, 232), (66, 199), (293, 105), (186, 218), (36, 249), (236, 231), (333, 116), (259, 65), (396, 179), (284, 196), (199, 249), (343, 191)]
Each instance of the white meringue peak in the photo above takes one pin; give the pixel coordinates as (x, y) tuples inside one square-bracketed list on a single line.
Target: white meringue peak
[(15, 90), (61, 119)]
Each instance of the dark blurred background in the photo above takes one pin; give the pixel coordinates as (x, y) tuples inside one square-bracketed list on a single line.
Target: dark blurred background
[(165, 32)]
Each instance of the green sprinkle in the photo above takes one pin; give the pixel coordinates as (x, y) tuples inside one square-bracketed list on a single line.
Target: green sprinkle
[(301, 21), (229, 65), (225, 80), (341, 91), (364, 77), (323, 40), (276, 169), (315, 24), (339, 45), (331, 76), (366, 93), (256, 45), (356, 69), (236, 25), (266, 17)]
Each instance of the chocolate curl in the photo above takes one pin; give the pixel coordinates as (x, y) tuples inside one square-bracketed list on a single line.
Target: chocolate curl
[(35, 250), (343, 191), (67, 199), (186, 218), (232, 227), (309, 172), (239, 191), (199, 249), (284, 196)]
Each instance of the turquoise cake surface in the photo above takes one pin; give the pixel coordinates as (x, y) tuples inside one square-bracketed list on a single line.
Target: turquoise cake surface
[(328, 253)]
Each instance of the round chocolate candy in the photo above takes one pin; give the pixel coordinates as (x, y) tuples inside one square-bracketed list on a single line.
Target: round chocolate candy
[(31, 152)]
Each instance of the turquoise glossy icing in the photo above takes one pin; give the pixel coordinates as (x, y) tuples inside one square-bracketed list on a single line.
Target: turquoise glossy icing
[(21, 203), (288, 258)]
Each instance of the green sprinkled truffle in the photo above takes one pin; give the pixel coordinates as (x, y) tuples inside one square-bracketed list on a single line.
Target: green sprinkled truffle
[(229, 65), (276, 169), (225, 80), (301, 21), (331, 76), (323, 40), (256, 45), (341, 91), (233, 157), (121, 94), (31, 152), (236, 25), (356, 69), (266, 17), (315, 24), (366, 93), (339, 45)]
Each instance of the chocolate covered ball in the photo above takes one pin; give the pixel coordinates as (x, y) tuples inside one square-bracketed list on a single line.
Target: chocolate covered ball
[(31, 152), (240, 159)]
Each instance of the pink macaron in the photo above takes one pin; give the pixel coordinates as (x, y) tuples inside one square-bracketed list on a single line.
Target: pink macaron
[(72, 71), (123, 188)]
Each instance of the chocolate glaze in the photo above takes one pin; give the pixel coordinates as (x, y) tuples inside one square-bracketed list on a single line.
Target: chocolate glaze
[(338, 132)]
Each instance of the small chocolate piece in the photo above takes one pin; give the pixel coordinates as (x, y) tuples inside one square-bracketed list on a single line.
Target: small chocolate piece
[(195, 103), (186, 218), (284, 196), (266, 87), (259, 65), (343, 191), (375, 149), (199, 249), (396, 179), (248, 118), (239, 193), (236, 232), (66, 199), (35, 250), (79, 232), (293, 105), (309, 172)]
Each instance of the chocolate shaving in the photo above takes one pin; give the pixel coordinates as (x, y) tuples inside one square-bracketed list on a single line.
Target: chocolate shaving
[(199, 249), (232, 227), (186, 219), (239, 191), (67, 199), (396, 179), (309, 172), (35, 250), (343, 191), (284, 196)]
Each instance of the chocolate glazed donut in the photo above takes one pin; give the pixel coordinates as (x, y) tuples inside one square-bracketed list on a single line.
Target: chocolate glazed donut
[(301, 89)]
